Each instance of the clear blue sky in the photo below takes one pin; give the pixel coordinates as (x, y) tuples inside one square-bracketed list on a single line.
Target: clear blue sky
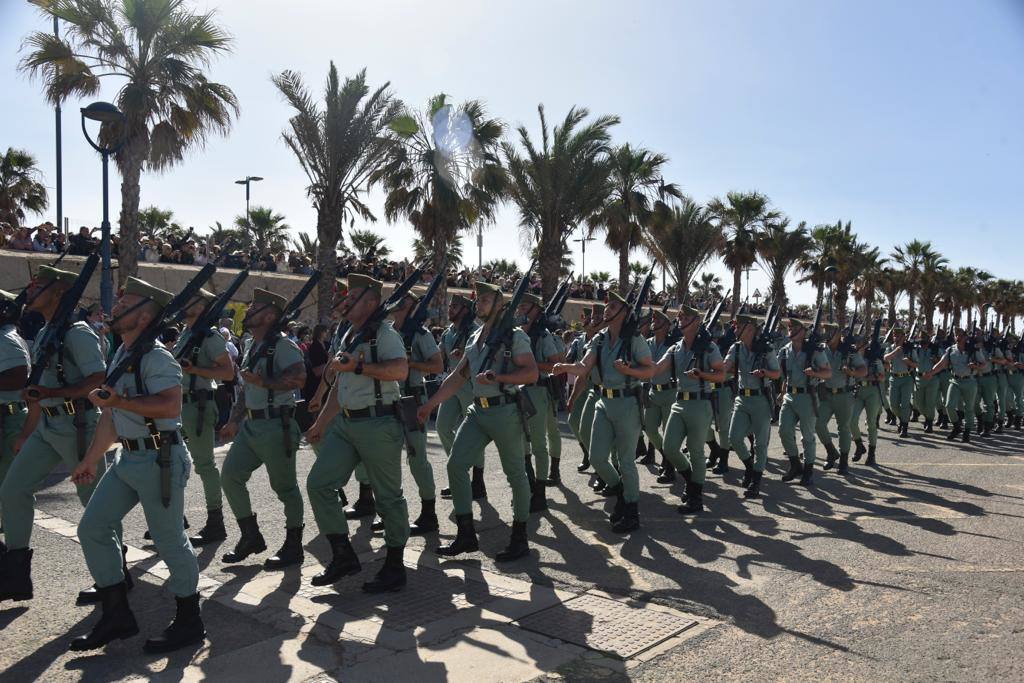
[(903, 117)]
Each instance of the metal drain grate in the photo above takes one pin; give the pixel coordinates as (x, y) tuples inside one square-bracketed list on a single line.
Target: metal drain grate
[(429, 596), (608, 626)]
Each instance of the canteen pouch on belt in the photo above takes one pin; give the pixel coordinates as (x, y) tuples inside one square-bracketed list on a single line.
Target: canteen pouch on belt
[(407, 407), (526, 406), (163, 459)]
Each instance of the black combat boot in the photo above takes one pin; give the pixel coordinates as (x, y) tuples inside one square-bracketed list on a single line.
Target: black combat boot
[(723, 462), (619, 509), (16, 575), (713, 454), (859, 450), (630, 520), (748, 471), (290, 552), (465, 538), (479, 487), (795, 468), (597, 483), (694, 499), (667, 475), (1018, 422), (91, 596), (987, 430), (903, 428), (914, 415), (999, 426), (250, 543), (213, 531), (955, 431), (807, 478), (755, 486), (364, 505), (186, 629), (116, 620), (832, 456), (585, 465), (928, 428), (344, 561), (518, 546), (890, 417), (554, 476), (640, 455), (446, 493), (391, 576), (538, 499), (427, 521), (966, 438), (870, 462), (844, 463)]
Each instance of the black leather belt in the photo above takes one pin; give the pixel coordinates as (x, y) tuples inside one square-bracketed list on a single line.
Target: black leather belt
[(415, 391), (67, 408), (901, 374), (195, 396), (269, 413), (11, 408), (665, 387), (151, 443), (834, 392), (750, 392), (493, 401), (613, 393), (693, 396), (793, 391), (372, 411)]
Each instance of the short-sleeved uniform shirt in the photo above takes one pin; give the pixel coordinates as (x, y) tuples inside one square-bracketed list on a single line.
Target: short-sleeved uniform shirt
[(997, 353), (423, 349), (212, 348), (286, 354), (981, 358), (897, 365), (13, 354), (611, 378), (741, 361), (475, 351), (81, 356), (683, 357), (838, 360), (450, 340), (958, 362), (356, 392), (658, 351), (925, 357), (795, 363), (577, 349), (159, 372), (544, 346)]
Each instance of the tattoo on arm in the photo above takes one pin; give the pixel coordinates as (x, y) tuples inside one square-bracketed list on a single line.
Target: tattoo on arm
[(293, 377)]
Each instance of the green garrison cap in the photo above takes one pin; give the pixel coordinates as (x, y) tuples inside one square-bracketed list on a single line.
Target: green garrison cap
[(744, 319), (830, 328), (416, 294), (134, 285), (359, 281), (688, 310), (797, 322), (482, 288), (268, 298), (660, 316), (615, 296), (6, 297), (531, 299), (51, 273), (459, 300), (898, 330)]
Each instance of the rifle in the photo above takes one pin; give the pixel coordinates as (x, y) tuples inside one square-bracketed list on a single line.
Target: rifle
[(631, 325), (383, 310), (551, 319), (846, 346), (201, 330), (761, 346), (413, 322)]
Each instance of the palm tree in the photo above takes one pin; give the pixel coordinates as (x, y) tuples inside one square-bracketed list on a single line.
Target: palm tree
[(221, 236), (338, 145), (306, 245), (159, 48), (21, 188), (817, 259), (502, 268), (559, 185), (740, 216), (424, 253), (708, 287), (157, 223), (779, 250), (442, 172), (262, 230), (892, 284), (636, 184), (682, 237), (929, 280), (866, 285), (912, 257), (367, 244), (566, 263), (600, 277)]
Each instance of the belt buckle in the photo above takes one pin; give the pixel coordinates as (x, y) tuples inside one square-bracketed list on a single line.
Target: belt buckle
[(69, 407), (609, 393), (484, 402), (346, 411), (154, 439)]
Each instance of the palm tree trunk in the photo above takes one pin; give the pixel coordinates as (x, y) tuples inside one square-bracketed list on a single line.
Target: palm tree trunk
[(820, 296), (910, 305), (328, 232), (778, 293), (549, 254), (623, 271), (842, 293), (737, 285), (130, 165), (892, 310)]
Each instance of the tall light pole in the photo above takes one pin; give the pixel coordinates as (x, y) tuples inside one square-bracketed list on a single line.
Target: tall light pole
[(747, 271), (247, 181), (583, 252), (60, 172), (105, 113), (480, 245)]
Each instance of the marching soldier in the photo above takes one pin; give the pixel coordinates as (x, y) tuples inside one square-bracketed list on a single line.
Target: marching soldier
[(800, 365), (360, 424), (207, 364), (963, 387), (58, 428), (926, 391), (718, 435), (661, 396), (451, 413), (752, 411), (545, 354), (1015, 381), (581, 400), (556, 389), (847, 366), (901, 380), (493, 416), (265, 432), (14, 367), (999, 367), (690, 414), (867, 398), (987, 384), (143, 411), (617, 421)]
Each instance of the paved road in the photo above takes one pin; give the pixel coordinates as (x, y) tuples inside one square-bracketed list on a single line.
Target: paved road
[(912, 571)]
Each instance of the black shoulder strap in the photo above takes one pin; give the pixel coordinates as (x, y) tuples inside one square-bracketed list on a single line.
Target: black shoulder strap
[(140, 390), (269, 355)]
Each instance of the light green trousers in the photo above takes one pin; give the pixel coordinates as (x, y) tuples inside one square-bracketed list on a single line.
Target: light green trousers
[(261, 443)]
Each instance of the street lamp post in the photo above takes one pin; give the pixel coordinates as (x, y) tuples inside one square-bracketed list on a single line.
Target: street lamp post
[(105, 113), (60, 172), (583, 252), (246, 181)]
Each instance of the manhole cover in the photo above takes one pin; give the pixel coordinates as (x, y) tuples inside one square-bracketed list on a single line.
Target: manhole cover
[(430, 595), (608, 626)]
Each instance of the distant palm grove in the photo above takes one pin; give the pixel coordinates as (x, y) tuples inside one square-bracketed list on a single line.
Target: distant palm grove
[(446, 167)]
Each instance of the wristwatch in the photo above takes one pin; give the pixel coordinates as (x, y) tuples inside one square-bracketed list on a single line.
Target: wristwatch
[(359, 368)]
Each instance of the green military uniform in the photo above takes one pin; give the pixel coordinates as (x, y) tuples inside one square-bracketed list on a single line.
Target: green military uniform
[(901, 386), (199, 412), (661, 396), (718, 434), (798, 404), (451, 413), (1015, 383), (135, 476), (544, 347), (269, 435), (985, 402), (64, 430), (926, 390), (554, 435), (962, 392), (867, 399), (836, 400), (1002, 386), (366, 431), (13, 354), (752, 408), (690, 415)]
